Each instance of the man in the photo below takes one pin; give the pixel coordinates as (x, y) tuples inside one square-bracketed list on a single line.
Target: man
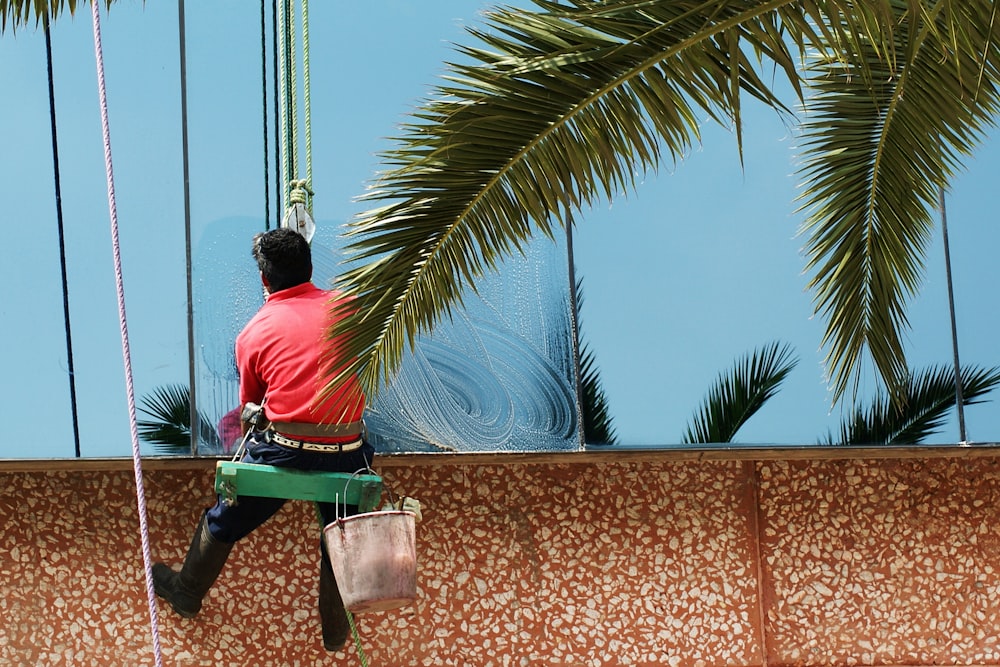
[(283, 360)]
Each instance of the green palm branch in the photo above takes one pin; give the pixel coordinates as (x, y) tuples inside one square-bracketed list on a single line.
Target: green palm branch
[(883, 133), (598, 424), (918, 412), (559, 108), (570, 103), (739, 394), (169, 426), (16, 13), (573, 101)]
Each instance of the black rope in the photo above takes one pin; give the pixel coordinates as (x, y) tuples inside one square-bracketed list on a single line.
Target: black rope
[(291, 159), (574, 310), (263, 85), (192, 375), (62, 239), (959, 398), (277, 113)]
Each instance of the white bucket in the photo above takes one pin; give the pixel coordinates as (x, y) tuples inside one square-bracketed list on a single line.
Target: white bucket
[(374, 558)]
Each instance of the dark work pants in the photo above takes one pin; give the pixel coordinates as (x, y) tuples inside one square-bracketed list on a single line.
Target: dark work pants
[(229, 523)]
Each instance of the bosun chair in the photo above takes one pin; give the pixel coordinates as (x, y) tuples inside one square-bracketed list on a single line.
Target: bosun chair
[(234, 479)]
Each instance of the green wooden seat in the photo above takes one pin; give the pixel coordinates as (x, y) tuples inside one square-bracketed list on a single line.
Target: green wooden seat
[(233, 479)]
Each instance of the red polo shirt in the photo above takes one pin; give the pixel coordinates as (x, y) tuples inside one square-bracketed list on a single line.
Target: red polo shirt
[(279, 355)]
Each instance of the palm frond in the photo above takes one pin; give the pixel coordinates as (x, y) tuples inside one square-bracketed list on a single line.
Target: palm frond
[(19, 13), (739, 394), (598, 424), (569, 103), (881, 136), (919, 412), (169, 428), (560, 106)]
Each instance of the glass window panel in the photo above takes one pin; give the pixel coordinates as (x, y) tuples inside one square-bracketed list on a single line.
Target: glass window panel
[(498, 376)]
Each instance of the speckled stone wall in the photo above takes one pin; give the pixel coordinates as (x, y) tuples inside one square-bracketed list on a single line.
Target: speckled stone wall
[(654, 562)]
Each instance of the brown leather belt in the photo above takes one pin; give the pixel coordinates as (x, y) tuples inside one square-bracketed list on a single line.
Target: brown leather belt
[(324, 447)]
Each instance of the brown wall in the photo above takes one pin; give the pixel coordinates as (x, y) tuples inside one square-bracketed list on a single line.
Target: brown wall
[(598, 560)]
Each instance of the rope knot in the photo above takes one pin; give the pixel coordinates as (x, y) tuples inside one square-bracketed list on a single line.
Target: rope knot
[(297, 214), (300, 192)]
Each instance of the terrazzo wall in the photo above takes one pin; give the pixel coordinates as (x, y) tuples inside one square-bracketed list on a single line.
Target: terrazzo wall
[(596, 562)]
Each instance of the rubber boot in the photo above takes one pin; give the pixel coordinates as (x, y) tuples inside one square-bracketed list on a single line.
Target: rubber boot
[(332, 614), (185, 589)]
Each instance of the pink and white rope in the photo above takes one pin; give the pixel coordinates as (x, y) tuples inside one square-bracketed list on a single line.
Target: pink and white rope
[(126, 354)]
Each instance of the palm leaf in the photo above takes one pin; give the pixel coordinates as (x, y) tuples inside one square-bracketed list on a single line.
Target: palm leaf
[(598, 424), (882, 135), (559, 107), (919, 412), (18, 13), (169, 428), (739, 394)]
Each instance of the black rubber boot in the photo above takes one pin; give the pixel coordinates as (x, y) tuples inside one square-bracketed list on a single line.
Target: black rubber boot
[(331, 607), (184, 590)]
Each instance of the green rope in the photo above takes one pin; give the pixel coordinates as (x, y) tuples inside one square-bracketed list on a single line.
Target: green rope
[(357, 640), (289, 107), (306, 99), (293, 94), (300, 193), (350, 617)]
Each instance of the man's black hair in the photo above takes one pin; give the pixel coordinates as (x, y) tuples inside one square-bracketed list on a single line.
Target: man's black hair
[(283, 257)]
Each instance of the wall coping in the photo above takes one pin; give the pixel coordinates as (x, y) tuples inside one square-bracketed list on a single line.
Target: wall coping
[(590, 454)]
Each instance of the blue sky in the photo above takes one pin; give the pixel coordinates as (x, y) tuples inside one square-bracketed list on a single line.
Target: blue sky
[(697, 267)]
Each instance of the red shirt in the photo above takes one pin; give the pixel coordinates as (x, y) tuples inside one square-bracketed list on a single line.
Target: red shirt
[(280, 357)]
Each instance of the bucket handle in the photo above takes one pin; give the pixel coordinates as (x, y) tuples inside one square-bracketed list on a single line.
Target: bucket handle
[(359, 471)]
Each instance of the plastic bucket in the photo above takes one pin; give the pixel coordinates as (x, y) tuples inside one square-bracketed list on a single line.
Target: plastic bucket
[(374, 558)]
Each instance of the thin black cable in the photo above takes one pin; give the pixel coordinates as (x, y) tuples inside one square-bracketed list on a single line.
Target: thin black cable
[(959, 399), (62, 240), (263, 85), (574, 313), (277, 144), (192, 374)]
